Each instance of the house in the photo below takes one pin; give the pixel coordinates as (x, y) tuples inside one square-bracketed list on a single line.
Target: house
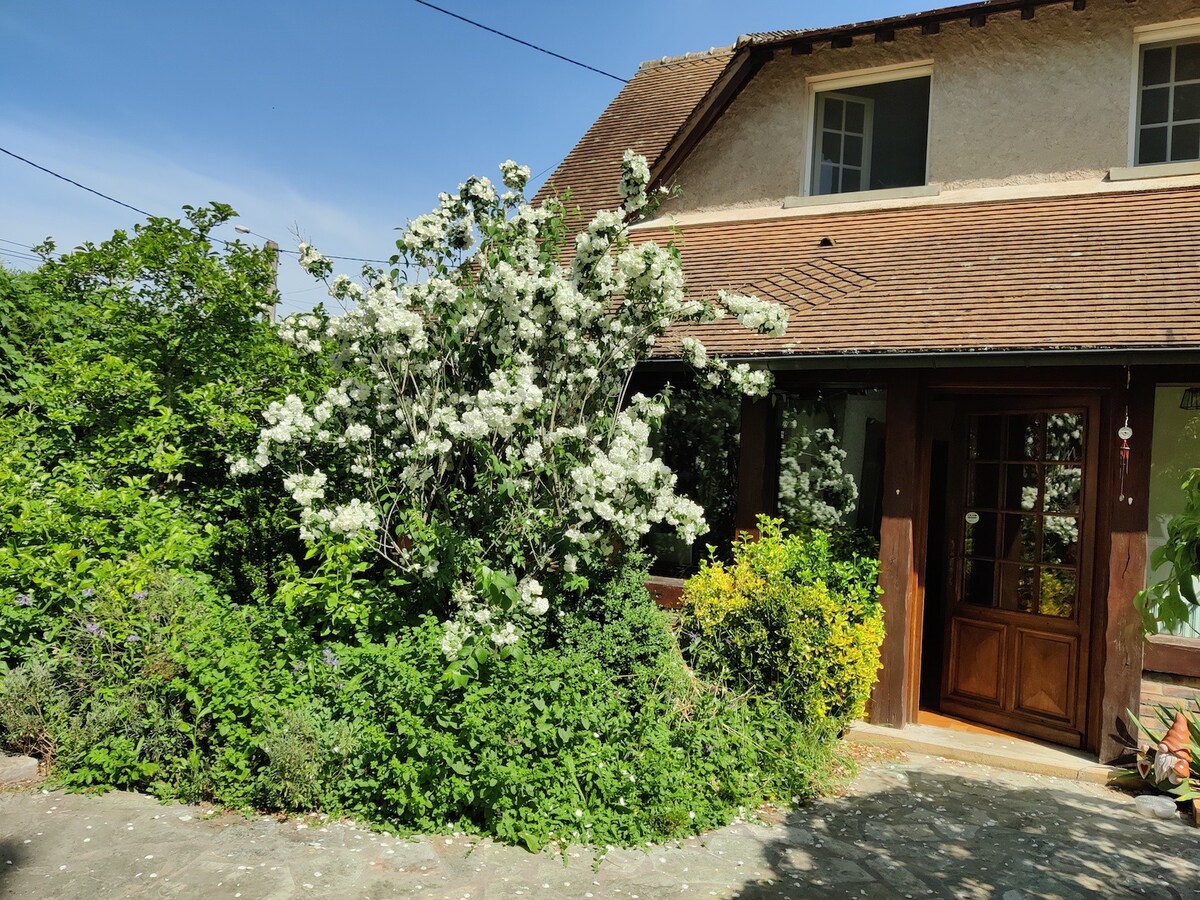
[(985, 221)]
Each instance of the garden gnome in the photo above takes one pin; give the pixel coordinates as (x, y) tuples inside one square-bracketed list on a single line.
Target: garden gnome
[(1172, 762)]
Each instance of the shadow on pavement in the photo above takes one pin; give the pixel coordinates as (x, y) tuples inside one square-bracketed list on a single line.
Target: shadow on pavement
[(945, 835)]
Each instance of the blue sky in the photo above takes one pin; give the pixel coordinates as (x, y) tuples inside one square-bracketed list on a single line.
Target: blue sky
[(336, 122)]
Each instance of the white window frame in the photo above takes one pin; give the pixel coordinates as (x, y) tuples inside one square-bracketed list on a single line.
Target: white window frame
[(820, 84), (819, 131), (1179, 32)]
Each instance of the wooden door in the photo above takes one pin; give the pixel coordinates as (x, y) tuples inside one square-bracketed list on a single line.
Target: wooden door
[(1020, 538)]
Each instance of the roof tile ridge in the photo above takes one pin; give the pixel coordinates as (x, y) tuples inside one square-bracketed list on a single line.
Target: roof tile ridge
[(682, 58)]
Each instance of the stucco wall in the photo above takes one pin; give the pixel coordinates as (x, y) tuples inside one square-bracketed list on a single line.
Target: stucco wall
[(1013, 102)]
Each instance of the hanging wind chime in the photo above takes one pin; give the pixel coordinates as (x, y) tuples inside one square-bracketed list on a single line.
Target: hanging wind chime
[(1125, 433)]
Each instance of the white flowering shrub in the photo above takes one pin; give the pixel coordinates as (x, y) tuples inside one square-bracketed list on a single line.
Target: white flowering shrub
[(481, 434)]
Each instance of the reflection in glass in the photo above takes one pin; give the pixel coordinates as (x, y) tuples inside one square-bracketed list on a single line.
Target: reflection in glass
[(1058, 593), (1063, 485), (1064, 436), (1024, 437), (1019, 588), (1060, 540), (1020, 538)]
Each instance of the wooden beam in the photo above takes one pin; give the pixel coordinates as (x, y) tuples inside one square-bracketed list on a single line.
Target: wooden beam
[(978, 20), (754, 464), (1173, 655), (1028, 13), (1079, 5), (1122, 644), (931, 28), (885, 35), (842, 42), (802, 49), (893, 701)]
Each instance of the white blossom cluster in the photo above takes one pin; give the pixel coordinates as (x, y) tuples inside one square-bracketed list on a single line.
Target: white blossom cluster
[(757, 315), (487, 396)]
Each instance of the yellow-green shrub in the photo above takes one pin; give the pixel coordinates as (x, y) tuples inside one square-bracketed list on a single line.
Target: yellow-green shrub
[(796, 617)]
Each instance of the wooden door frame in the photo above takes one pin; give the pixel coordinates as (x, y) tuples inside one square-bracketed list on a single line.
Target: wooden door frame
[(1082, 625)]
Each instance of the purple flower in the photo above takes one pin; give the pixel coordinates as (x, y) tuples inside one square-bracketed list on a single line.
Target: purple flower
[(133, 639), (87, 592), (330, 660), (297, 668), (24, 600), (93, 629), (141, 595)]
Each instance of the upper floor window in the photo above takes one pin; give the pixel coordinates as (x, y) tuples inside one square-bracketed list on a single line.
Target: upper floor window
[(870, 136), (1169, 103)]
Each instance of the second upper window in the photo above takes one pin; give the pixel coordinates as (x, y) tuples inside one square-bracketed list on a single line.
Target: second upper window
[(1169, 103), (870, 137)]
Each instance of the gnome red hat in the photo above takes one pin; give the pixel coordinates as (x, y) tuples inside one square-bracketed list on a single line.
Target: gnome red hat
[(1173, 761)]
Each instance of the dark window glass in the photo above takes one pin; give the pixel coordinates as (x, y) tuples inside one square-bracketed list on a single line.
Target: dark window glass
[(1187, 62), (1156, 105), (1153, 146), (1185, 142), (1156, 66)]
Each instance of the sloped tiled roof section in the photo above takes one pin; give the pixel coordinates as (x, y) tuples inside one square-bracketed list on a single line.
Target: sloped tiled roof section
[(645, 116), (1117, 270)]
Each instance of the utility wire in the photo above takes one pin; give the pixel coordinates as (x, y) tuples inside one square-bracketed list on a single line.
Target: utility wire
[(517, 40), (84, 187), (76, 183)]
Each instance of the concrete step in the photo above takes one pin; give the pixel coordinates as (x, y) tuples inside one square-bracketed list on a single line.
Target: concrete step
[(999, 751)]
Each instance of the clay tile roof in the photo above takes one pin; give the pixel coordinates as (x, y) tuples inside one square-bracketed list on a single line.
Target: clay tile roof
[(645, 116), (1116, 270)]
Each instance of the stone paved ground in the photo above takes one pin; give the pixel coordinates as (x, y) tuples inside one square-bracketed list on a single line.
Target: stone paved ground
[(913, 828)]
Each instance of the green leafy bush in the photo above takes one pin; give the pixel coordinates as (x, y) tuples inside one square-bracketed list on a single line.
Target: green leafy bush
[(794, 616), (1169, 604)]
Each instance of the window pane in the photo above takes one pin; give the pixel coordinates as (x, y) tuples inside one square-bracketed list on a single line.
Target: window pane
[(833, 113), (851, 180), (1021, 487), (1058, 593), (1060, 540), (1152, 146), (699, 440), (1185, 142), (1063, 484), (1187, 103), (1155, 105), (1024, 437), (1064, 436), (979, 582), (1020, 539), (986, 436), (1019, 588), (856, 117), (852, 150), (831, 457), (979, 538), (984, 491), (827, 179), (1174, 449), (1187, 62), (831, 147), (1156, 66)]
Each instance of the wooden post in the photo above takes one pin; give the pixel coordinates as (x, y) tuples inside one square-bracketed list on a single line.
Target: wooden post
[(1123, 642), (755, 465), (273, 249), (893, 701)]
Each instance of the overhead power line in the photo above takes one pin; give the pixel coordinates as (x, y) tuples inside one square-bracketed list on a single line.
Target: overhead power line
[(142, 212), (523, 43)]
